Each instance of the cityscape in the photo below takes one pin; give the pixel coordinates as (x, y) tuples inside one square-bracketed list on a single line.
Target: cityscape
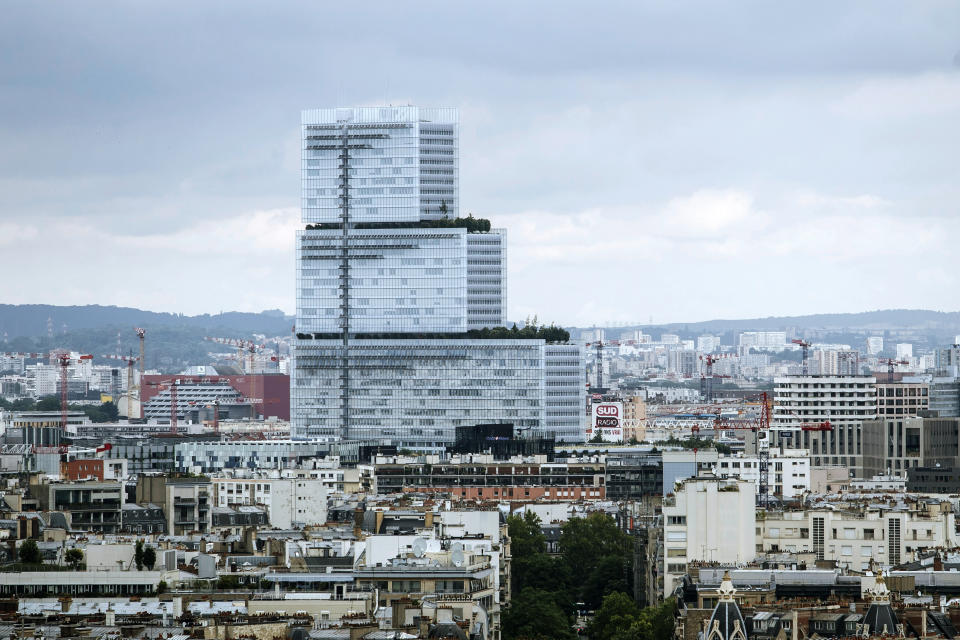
[(458, 418)]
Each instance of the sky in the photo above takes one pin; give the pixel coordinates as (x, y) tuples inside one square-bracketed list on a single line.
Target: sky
[(652, 161)]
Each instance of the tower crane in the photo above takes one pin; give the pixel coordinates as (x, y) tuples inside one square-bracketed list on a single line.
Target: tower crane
[(130, 360), (706, 379), (141, 334), (891, 364), (62, 359), (599, 345), (806, 352)]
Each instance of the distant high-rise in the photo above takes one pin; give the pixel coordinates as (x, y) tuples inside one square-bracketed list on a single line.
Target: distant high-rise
[(390, 279)]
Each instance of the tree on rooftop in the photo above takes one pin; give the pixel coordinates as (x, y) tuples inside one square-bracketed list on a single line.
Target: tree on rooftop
[(149, 558), (74, 558), (30, 553)]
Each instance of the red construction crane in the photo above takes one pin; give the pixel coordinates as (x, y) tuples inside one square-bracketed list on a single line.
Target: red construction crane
[(805, 346), (62, 359), (891, 364)]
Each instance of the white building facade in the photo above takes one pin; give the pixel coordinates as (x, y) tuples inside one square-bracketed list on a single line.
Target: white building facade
[(707, 519), (788, 475)]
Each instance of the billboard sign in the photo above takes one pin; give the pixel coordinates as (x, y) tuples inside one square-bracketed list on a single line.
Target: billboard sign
[(608, 421)]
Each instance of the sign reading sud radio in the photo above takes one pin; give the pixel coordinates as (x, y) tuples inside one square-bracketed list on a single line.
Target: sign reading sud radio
[(608, 421)]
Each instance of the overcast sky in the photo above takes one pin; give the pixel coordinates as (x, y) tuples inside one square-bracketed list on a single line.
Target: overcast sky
[(678, 161)]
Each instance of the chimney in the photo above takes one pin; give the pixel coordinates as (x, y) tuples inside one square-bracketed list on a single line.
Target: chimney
[(110, 617), (937, 563)]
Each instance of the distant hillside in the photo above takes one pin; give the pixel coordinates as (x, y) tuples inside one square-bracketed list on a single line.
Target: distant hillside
[(31, 319), (173, 340)]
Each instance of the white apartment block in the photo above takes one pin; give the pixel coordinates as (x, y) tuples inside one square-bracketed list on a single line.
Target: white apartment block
[(844, 401), (788, 476), (852, 536), (904, 351), (707, 519), (874, 345), (290, 502), (765, 340), (708, 344)]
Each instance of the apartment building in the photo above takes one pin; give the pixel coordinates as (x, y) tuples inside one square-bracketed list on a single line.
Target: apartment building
[(902, 399), (854, 532), (788, 476), (290, 502), (708, 519), (844, 401)]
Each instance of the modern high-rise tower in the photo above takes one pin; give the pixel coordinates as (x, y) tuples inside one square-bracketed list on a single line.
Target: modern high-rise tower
[(390, 279)]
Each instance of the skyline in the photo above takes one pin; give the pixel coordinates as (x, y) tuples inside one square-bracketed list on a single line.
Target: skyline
[(677, 175)]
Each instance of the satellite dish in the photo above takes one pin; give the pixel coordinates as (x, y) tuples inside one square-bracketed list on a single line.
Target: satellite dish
[(458, 557), (419, 547)]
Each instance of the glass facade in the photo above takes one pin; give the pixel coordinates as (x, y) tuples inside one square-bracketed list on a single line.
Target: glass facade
[(414, 393), (372, 274), (396, 164)]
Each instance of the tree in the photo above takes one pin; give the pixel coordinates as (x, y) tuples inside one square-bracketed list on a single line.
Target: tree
[(597, 438), (74, 558), (161, 587), (48, 403), (620, 619), (30, 553), (616, 615), (597, 551), (534, 615), (443, 208), (149, 557), (138, 555), (526, 537)]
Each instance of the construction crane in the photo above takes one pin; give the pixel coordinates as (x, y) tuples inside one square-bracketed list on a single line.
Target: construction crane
[(141, 334), (170, 385), (806, 352), (62, 359), (130, 360), (706, 379), (891, 364), (599, 345)]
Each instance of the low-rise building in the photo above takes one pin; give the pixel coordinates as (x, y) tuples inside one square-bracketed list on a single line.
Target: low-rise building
[(788, 472), (290, 502)]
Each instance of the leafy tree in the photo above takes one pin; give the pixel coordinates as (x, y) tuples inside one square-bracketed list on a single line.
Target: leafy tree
[(161, 587), (74, 558), (48, 403), (138, 555), (30, 553), (534, 615), (526, 537), (617, 614), (149, 558), (597, 438), (228, 582), (596, 551)]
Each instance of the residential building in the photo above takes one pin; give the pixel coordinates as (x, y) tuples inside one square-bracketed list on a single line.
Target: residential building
[(480, 476), (708, 519), (634, 475), (389, 283), (91, 506), (902, 399), (874, 345), (186, 501), (843, 401), (860, 531), (290, 502), (763, 340), (904, 351), (788, 473), (634, 418), (680, 464)]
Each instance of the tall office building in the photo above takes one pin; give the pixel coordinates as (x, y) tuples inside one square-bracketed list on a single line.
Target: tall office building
[(389, 282)]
